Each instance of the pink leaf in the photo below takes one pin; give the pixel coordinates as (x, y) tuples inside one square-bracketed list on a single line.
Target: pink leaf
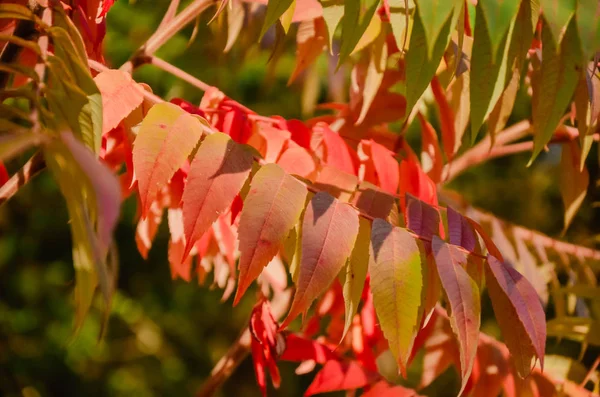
[(120, 96)]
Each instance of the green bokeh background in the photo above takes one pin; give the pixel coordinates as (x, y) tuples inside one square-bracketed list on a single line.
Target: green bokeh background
[(164, 336)]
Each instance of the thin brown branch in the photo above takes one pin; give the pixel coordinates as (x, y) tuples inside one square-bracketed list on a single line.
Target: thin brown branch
[(165, 32), (481, 152), (175, 71), (590, 373), (33, 167)]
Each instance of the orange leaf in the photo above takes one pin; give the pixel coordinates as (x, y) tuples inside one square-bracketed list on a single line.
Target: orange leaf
[(311, 40), (329, 230), (216, 175), (271, 209), (336, 375), (431, 156)]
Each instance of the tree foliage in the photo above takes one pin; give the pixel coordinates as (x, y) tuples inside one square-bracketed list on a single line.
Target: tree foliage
[(340, 204)]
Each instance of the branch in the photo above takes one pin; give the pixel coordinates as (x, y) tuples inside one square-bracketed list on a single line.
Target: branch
[(31, 168), (240, 349), (175, 71), (482, 152), (165, 32)]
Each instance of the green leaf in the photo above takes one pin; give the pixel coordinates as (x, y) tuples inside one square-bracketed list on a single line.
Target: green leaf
[(579, 329), (425, 53), (353, 277), (12, 144), (17, 11), (89, 116), (357, 17), (463, 296), (61, 20), (93, 198), (492, 71), (11, 38), (557, 14), (588, 26), (434, 14), (333, 11), (553, 85), (271, 209), (275, 9), (498, 15), (397, 280), (587, 105)]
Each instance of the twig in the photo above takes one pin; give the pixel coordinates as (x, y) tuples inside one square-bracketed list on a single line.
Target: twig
[(31, 168), (481, 152), (163, 34), (175, 71), (170, 14), (590, 372)]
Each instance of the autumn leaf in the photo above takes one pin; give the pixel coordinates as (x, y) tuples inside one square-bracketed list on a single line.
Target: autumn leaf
[(397, 285), (429, 38), (357, 18), (375, 70), (421, 218), (463, 295), (573, 181), (121, 95), (372, 201), (339, 375), (310, 43), (557, 14), (353, 277), (217, 173), (519, 314), (164, 141), (329, 230), (271, 209), (553, 85), (431, 155)]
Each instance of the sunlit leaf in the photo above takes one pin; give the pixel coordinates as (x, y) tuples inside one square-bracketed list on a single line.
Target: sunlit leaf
[(573, 181), (356, 20), (329, 230), (310, 43), (553, 84), (271, 208), (354, 275), (397, 285), (217, 173), (164, 141), (275, 9), (557, 14), (337, 375)]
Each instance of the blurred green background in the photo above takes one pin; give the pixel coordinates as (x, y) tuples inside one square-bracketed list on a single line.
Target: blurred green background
[(164, 336)]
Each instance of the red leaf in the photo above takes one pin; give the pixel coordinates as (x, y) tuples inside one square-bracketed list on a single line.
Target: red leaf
[(421, 218), (384, 389), (336, 375), (296, 160), (379, 159), (460, 231), (216, 175), (329, 230), (335, 151), (3, 174), (337, 183), (298, 348), (271, 209), (519, 314), (372, 201), (415, 181), (489, 243), (187, 106), (463, 296)]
